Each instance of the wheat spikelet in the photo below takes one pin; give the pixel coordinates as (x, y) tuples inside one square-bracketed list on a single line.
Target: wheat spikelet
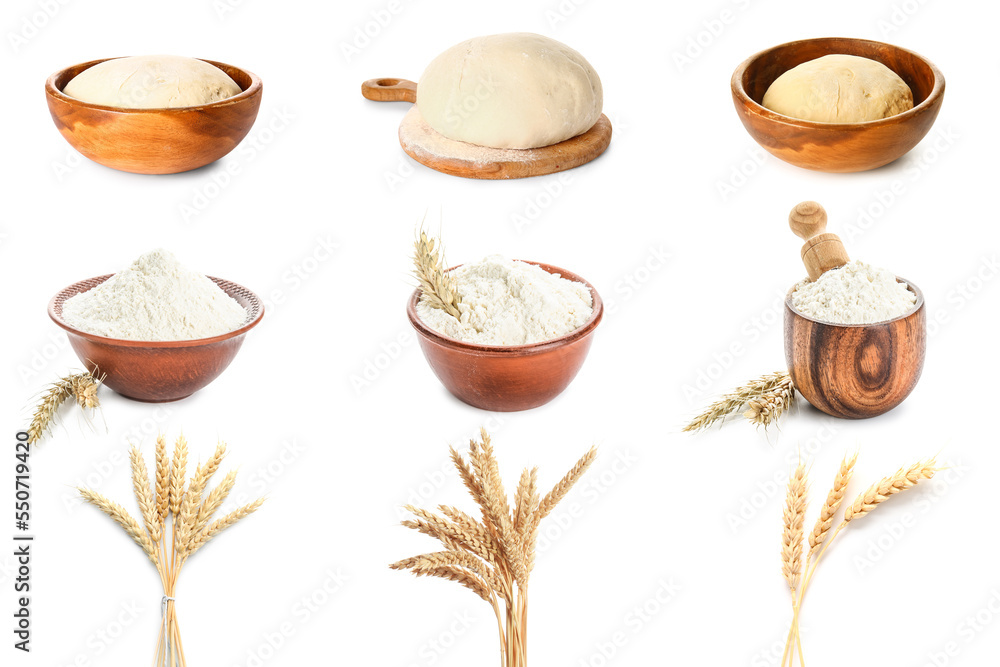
[(433, 561), (459, 575), (765, 409), (144, 494), (526, 500), (544, 507), (220, 525), (196, 488), (123, 519), (451, 535), (878, 493), (45, 412), (468, 477), (737, 399), (212, 465), (833, 501), (162, 480), (438, 289), (559, 491), (792, 535), (178, 475)]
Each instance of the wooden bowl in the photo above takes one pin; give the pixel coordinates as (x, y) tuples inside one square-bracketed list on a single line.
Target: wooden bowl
[(508, 378), (154, 141), (157, 372), (856, 371), (836, 147)]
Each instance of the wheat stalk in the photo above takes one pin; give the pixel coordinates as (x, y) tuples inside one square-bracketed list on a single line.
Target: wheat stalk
[(820, 538), (772, 393), (438, 289), (493, 556), (189, 518)]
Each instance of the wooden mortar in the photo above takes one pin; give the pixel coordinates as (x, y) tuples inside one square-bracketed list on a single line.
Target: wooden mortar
[(852, 371)]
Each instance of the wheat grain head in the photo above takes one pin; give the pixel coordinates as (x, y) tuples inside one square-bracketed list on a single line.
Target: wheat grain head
[(792, 535), (881, 491), (833, 501)]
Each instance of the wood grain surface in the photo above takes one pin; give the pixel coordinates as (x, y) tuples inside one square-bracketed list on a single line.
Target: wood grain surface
[(836, 147), (154, 141), (856, 371)]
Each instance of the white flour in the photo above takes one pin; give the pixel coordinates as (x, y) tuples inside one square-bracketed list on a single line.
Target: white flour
[(155, 299), (856, 293), (507, 302)]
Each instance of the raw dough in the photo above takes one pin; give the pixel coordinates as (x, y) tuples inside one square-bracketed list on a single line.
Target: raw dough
[(515, 90), (839, 89), (152, 82)]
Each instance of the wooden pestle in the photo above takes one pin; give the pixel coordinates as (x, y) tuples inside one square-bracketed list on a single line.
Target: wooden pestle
[(822, 251)]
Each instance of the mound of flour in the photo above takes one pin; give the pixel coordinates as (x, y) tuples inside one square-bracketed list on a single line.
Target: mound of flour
[(507, 302), (856, 293), (155, 299)]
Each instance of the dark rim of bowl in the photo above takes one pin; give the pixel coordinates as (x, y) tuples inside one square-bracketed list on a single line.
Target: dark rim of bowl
[(917, 305), (229, 287), (736, 83), (582, 331), (255, 86)]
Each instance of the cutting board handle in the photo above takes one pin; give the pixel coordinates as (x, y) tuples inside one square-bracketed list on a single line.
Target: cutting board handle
[(390, 90)]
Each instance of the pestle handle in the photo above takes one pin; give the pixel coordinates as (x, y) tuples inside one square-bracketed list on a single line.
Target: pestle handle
[(807, 220), (822, 250)]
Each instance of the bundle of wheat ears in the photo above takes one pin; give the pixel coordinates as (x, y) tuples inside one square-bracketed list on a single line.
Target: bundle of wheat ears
[(762, 402), (438, 289), (188, 508), (81, 386), (798, 564), (493, 557)]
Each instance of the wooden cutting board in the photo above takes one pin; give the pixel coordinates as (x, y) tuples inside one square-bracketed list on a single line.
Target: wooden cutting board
[(458, 158)]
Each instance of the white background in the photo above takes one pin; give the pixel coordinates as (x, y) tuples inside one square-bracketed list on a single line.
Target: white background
[(323, 166)]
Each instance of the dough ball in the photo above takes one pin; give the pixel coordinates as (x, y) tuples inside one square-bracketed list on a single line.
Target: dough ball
[(152, 82), (515, 90), (839, 89)]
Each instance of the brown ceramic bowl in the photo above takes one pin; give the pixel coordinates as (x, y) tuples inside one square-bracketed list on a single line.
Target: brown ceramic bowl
[(836, 147), (508, 379), (154, 141), (157, 372), (856, 371)]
